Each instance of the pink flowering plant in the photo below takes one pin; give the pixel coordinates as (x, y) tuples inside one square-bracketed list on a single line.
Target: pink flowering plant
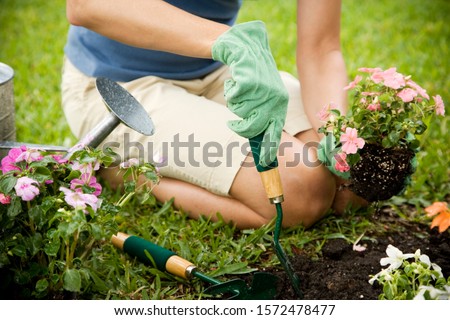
[(54, 215), (387, 109)]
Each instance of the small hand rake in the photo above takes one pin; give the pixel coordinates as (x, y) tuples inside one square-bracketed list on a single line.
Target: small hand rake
[(270, 177), (263, 287)]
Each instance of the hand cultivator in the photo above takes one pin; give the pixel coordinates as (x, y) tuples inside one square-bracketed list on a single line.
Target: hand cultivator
[(263, 287)]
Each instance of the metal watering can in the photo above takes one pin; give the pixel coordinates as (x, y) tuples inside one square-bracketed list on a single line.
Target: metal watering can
[(124, 108)]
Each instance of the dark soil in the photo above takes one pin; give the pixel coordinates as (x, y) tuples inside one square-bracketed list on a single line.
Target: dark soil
[(343, 274), (381, 173)]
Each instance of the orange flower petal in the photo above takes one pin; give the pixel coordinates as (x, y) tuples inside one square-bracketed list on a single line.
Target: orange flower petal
[(436, 208), (445, 223), (442, 221)]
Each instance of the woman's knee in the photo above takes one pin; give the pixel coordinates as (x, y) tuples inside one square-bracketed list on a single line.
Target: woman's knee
[(308, 197)]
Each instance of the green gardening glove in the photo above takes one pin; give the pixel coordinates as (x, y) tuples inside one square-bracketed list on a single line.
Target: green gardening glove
[(326, 152), (255, 91)]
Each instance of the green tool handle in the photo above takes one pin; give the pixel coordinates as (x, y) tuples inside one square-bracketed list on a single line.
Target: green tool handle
[(164, 259), (270, 176)]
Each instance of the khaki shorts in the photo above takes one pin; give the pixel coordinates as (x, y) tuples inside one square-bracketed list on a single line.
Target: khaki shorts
[(191, 138)]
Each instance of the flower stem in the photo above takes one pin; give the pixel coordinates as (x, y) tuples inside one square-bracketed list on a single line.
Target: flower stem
[(71, 250)]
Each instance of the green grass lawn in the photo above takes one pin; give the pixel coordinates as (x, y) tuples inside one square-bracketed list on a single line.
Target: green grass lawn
[(412, 35)]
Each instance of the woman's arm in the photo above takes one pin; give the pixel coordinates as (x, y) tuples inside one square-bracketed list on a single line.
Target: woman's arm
[(147, 24), (320, 64)]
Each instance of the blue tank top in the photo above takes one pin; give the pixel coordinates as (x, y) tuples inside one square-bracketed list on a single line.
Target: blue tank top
[(99, 56)]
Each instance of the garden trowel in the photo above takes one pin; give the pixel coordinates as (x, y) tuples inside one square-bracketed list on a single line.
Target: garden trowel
[(271, 180)]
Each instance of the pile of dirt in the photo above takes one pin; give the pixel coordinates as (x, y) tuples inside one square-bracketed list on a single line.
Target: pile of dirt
[(381, 173), (342, 273)]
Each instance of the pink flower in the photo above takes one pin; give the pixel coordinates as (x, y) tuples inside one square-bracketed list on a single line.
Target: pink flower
[(421, 91), (86, 180), (341, 162), (29, 155), (391, 78), (440, 108), (374, 107), (351, 142), (59, 158), (324, 113), (8, 162), (407, 94), (353, 84), (26, 189), (86, 167), (370, 70), (4, 199), (80, 200)]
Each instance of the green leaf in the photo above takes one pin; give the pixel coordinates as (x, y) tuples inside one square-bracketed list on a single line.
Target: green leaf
[(73, 175), (388, 291), (385, 98), (235, 268), (421, 127), (36, 214), (19, 250), (335, 112), (96, 231), (151, 175), (67, 229), (98, 282), (7, 183), (55, 278), (41, 285), (394, 137), (15, 207), (4, 260), (130, 186), (72, 280), (386, 142), (52, 248), (47, 203), (41, 174), (35, 244)]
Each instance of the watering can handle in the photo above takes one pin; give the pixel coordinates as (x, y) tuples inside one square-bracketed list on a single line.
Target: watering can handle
[(165, 260), (270, 176)]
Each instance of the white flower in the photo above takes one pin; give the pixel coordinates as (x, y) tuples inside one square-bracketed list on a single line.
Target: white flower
[(132, 162), (438, 269), (435, 294), (425, 259), (386, 273), (395, 257)]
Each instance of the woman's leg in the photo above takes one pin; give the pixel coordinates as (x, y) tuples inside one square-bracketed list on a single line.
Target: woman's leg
[(310, 191), (308, 188)]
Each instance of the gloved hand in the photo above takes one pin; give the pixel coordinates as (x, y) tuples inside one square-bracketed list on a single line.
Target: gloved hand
[(255, 91), (326, 153)]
